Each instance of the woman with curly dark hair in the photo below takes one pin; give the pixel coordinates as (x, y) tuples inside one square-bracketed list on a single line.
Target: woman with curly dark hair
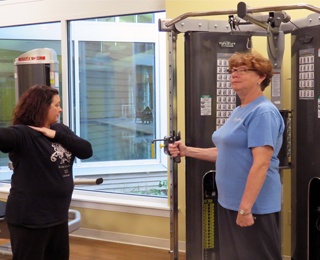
[(42, 152)]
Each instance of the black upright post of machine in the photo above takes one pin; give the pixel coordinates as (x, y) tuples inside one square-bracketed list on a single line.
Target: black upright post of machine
[(306, 151), (209, 100), (314, 218)]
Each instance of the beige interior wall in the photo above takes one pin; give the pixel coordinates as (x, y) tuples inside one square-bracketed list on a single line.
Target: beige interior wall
[(177, 7), (150, 225), (125, 223)]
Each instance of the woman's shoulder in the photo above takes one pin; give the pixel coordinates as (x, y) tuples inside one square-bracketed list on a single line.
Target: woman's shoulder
[(20, 128), (19, 131), (265, 105), (264, 108)]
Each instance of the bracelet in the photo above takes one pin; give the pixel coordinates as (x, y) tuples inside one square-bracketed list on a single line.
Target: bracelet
[(243, 213)]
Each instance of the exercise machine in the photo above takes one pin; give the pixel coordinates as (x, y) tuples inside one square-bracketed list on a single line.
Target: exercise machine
[(209, 100), (37, 66)]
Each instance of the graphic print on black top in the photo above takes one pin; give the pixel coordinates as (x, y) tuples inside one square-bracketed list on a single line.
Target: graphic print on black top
[(60, 152)]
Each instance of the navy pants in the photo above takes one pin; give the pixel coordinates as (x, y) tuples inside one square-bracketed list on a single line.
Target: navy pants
[(262, 240), (40, 243)]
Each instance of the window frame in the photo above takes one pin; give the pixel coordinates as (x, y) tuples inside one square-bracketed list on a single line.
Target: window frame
[(149, 35)]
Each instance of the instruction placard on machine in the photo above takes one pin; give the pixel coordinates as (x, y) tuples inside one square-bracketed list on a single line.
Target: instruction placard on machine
[(306, 74)]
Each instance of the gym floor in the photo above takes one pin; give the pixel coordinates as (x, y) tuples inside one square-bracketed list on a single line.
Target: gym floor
[(88, 249)]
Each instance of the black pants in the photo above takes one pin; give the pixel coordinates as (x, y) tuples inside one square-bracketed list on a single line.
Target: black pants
[(40, 244), (260, 241)]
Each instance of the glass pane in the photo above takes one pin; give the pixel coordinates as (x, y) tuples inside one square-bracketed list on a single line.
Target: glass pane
[(145, 18), (117, 99), (106, 19), (128, 19)]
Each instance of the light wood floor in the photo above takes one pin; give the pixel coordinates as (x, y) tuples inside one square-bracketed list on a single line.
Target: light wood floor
[(87, 249)]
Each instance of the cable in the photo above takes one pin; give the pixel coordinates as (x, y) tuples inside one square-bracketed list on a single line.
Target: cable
[(295, 25), (249, 43), (268, 42)]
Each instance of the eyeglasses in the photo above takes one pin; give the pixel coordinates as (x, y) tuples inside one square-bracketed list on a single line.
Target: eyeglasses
[(239, 70)]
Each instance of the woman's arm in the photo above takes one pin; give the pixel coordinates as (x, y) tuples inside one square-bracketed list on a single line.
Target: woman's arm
[(206, 154), (256, 178), (7, 140), (81, 148)]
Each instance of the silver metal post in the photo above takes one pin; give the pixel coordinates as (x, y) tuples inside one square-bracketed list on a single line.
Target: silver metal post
[(174, 252)]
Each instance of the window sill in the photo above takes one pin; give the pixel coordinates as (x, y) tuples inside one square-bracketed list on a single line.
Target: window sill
[(121, 203), (96, 169), (112, 202)]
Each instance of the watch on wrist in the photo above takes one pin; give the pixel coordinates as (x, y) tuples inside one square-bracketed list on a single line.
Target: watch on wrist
[(243, 213)]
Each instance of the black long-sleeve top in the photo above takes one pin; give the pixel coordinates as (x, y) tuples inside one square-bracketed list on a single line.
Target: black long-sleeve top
[(42, 179)]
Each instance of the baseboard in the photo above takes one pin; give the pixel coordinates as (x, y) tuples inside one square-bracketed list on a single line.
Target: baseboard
[(132, 239), (127, 239)]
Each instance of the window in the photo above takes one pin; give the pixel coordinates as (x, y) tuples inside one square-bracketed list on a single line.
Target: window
[(114, 96), (116, 83)]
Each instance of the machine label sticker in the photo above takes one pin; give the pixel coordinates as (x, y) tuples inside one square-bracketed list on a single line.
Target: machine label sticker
[(276, 85), (227, 44), (205, 105), (29, 58)]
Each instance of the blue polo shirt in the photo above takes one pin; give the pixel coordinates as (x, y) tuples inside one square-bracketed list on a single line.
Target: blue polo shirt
[(257, 124)]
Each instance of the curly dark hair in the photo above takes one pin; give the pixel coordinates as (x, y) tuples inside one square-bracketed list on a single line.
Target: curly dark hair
[(253, 60), (33, 106)]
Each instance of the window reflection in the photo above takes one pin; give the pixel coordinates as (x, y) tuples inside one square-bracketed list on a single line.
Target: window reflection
[(117, 98)]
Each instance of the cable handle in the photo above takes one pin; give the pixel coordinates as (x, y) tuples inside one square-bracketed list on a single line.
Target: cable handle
[(166, 141), (175, 137)]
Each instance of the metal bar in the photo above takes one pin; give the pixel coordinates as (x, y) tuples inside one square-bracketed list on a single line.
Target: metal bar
[(250, 10), (261, 24), (197, 14), (174, 251)]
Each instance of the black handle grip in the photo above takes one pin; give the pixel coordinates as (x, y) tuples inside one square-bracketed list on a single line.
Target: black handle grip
[(170, 140), (177, 138)]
